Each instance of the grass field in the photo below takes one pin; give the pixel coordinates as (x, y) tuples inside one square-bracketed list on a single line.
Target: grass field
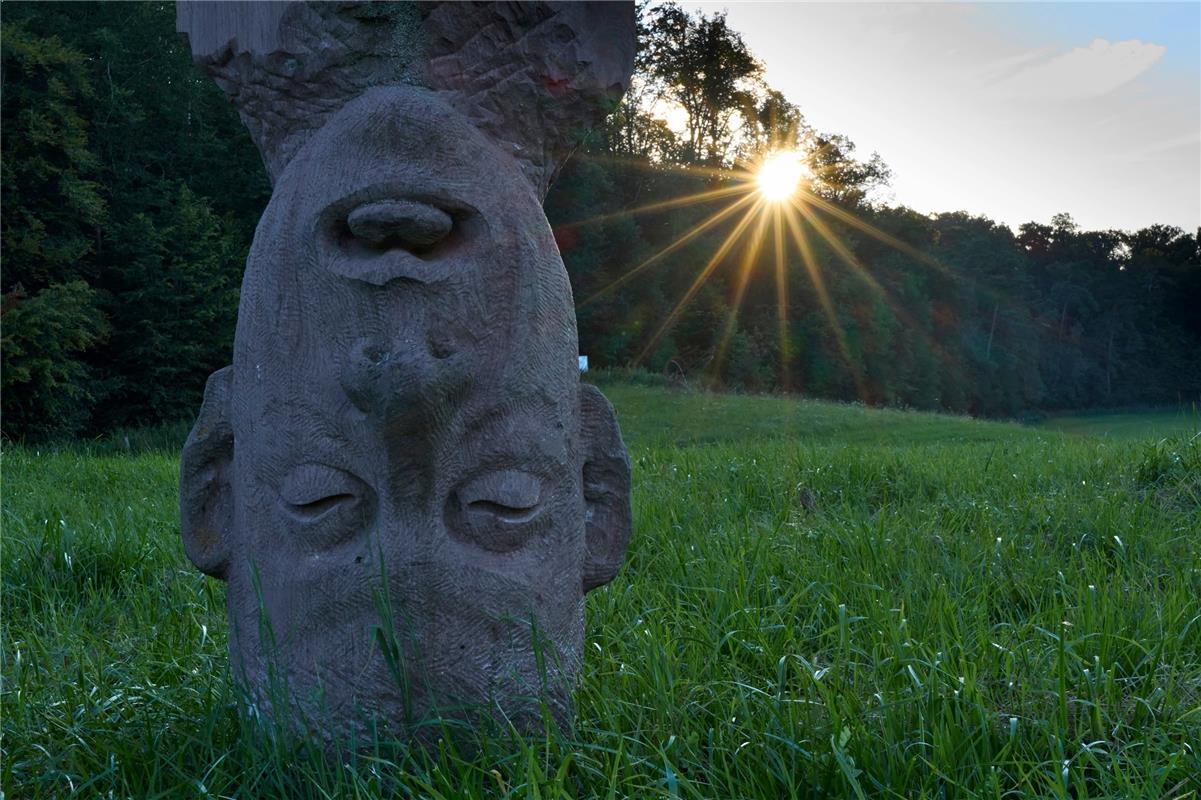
[(1147, 424), (820, 601)]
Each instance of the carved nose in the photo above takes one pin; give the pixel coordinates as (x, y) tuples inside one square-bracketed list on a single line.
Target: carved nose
[(379, 376), (400, 382)]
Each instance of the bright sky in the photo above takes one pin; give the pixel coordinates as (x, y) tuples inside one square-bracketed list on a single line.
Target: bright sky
[(1012, 110)]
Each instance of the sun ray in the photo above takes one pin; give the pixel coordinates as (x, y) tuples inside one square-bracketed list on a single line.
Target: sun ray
[(998, 296), (662, 205), (701, 277), (695, 170), (744, 279), (781, 301), (823, 297), (841, 249), (873, 231), (696, 230), (851, 261)]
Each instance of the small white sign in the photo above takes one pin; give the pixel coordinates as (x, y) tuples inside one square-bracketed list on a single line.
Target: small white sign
[(583, 363)]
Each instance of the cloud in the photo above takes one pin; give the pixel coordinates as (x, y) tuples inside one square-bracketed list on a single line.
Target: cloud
[(1166, 147), (943, 92), (1083, 72), (998, 69)]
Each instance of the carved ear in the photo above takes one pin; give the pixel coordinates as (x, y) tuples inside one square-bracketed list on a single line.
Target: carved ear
[(205, 497), (606, 489)]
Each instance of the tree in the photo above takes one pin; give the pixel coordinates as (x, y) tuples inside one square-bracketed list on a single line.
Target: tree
[(51, 196), (173, 306), (130, 193), (52, 212), (703, 65), (132, 190), (774, 124), (837, 174), (46, 386)]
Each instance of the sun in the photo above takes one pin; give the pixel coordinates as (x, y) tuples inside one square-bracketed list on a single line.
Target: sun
[(781, 174)]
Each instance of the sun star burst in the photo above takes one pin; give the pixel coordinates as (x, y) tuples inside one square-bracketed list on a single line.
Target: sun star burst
[(781, 174)]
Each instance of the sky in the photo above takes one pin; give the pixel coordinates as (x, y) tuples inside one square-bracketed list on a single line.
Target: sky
[(1016, 111)]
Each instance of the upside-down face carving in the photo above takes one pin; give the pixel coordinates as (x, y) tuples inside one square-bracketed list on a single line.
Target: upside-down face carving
[(401, 478)]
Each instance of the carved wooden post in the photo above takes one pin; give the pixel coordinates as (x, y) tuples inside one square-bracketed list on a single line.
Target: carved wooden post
[(400, 477)]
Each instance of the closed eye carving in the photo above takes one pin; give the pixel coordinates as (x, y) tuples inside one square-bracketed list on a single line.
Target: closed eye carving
[(315, 509), (328, 504), (502, 511), (498, 511)]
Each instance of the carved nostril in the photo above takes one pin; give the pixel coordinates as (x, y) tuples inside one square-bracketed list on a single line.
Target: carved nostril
[(375, 354), (440, 346), (399, 223)]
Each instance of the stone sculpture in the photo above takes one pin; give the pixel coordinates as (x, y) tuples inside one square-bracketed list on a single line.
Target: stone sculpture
[(400, 477)]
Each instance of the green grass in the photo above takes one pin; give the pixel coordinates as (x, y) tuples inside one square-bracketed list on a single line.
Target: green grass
[(653, 418), (820, 601), (1147, 424)]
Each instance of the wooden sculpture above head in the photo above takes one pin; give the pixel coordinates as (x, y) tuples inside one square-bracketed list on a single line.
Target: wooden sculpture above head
[(532, 76), (402, 447)]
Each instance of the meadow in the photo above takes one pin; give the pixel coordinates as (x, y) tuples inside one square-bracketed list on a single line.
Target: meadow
[(820, 600)]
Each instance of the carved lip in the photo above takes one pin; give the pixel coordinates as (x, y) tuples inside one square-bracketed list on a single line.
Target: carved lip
[(384, 233), (407, 224)]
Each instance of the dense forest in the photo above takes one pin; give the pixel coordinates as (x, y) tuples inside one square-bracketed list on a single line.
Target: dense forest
[(131, 192)]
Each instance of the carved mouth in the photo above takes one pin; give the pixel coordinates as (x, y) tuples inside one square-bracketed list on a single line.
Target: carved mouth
[(382, 234)]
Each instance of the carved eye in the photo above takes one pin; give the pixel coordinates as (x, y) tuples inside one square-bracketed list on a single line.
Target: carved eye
[(329, 504), (498, 511)]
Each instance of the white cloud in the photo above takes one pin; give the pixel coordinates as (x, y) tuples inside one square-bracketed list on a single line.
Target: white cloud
[(1166, 148), (1083, 72), (922, 84)]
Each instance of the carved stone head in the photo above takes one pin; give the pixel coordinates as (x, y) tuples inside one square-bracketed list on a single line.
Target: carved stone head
[(401, 478)]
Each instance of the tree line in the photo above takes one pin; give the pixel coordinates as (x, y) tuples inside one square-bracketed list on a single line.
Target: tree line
[(130, 192)]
